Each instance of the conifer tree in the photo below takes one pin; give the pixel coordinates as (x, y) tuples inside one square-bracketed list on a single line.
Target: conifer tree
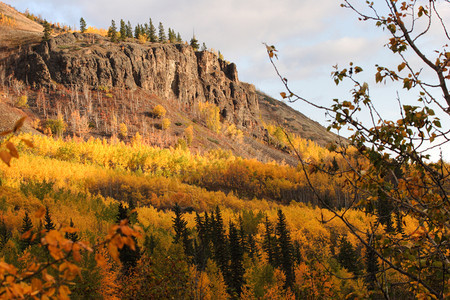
[(27, 225), (137, 31), (270, 245), (128, 257), (384, 211), (204, 47), (219, 241), (236, 271), (112, 32), (194, 43), (286, 261), (202, 247), (181, 231), (347, 256), (371, 262), (152, 32), (129, 30), (73, 236), (179, 39), (5, 234), (47, 31), (123, 30), (162, 34), (82, 25), (48, 223)]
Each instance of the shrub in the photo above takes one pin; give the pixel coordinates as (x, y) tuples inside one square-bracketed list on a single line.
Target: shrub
[(123, 130), (159, 111), (165, 124), (22, 102), (57, 126)]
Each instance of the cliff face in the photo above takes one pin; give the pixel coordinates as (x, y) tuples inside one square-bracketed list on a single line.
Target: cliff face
[(168, 70)]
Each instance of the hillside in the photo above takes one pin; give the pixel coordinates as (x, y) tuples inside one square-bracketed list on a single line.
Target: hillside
[(74, 70)]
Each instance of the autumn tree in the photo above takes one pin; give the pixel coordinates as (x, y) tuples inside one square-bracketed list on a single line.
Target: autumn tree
[(399, 172), (82, 25)]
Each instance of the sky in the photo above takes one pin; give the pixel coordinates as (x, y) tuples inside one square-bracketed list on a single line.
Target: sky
[(311, 38)]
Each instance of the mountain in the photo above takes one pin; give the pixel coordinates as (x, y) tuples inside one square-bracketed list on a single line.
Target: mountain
[(96, 85)]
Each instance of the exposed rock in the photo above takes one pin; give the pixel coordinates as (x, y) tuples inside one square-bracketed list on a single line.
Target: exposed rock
[(171, 71)]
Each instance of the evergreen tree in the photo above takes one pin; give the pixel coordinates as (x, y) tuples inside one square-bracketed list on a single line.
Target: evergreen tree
[(137, 31), (202, 247), (219, 241), (181, 231), (122, 213), (162, 34), (129, 30), (236, 270), (112, 32), (150, 243), (221, 56), (347, 256), (152, 32), (47, 31), (5, 234), (204, 47), (384, 211), (371, 262), (179, 39), (128, 257), (172, 36), (286, 261), (48, 223), (194, 43), (123, 30), (27, 226), (82, 25), (270, 245), (73, 236)]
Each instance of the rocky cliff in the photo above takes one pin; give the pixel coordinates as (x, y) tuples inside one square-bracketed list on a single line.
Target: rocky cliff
[(168, 70)]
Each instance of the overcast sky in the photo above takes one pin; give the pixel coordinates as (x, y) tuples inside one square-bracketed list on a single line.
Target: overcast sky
[(311, 36)]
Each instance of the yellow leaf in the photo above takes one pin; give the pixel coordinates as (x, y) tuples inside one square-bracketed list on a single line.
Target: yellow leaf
[(12, 149)]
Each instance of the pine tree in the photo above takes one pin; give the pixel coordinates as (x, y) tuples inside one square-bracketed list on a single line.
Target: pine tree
[(181, 231), (123, 31), (384, 211), (112, 32), (286, 261), (172, 36), (5, 234), (194, 43), (219, 241), (202, 250), (128, 257), (27, 226), (179, 39), (204, 47), (371, 262), (82, 25), (129, 30), (347, 256), (137, 31), (236, 270), (269, 245), (47, 31), (152, 32), (48, 223), (162, 34), (73, 236)]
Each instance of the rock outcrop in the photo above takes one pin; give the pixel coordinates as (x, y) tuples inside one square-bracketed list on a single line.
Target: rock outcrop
[(171, 71)]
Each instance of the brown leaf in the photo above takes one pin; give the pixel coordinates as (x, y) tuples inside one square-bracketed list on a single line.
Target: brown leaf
[(3, 133), (6, 157), (28, 143), (12, 149), (19, 124)]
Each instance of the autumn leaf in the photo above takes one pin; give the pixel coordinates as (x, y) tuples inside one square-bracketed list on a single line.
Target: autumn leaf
[(6, 157), (40, 212), (28, 143), (12, 150), (19, 124)]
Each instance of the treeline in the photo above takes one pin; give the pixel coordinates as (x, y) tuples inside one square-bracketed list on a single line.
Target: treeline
[(146, 32)]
